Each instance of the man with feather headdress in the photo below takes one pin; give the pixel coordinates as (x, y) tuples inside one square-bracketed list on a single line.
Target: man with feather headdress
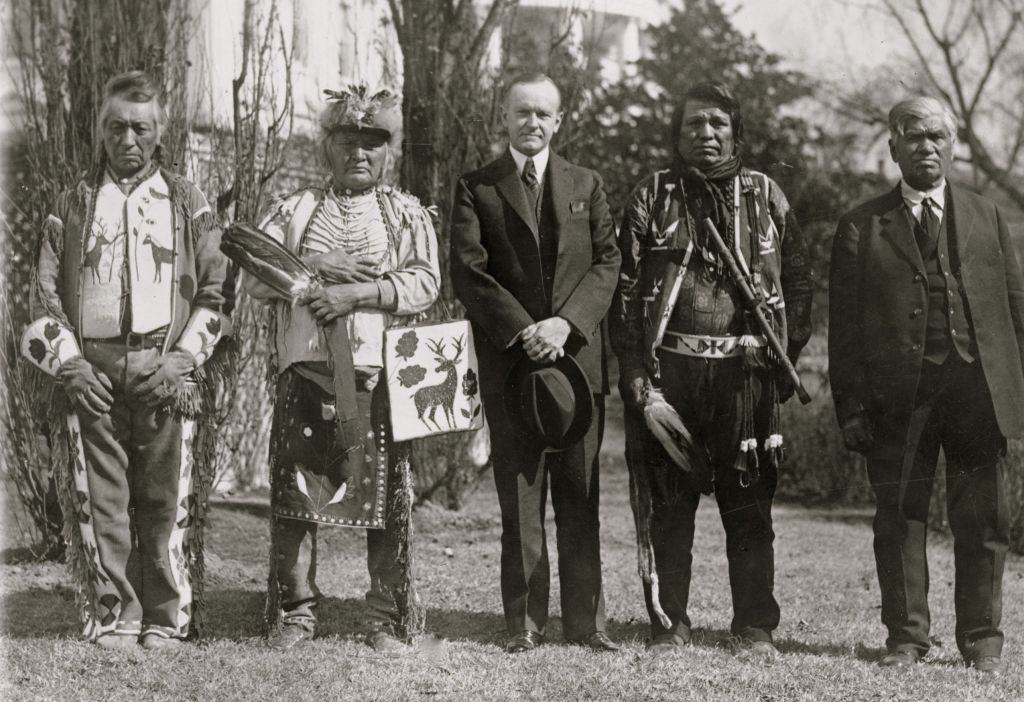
[(133, 295), (332, 458)]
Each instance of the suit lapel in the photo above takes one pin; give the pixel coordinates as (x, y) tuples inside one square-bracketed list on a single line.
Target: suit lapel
[(561, 186), (963, 220), (896, 226), (560, 176), (512, 189)]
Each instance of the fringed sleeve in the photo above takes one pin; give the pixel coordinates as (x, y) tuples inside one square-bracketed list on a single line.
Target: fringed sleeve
[(797, 286), (208, 336), (47, 278), (45, 301), (417, 277), (627, 313)]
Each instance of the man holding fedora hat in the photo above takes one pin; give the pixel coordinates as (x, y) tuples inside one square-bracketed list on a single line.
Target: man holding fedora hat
[(534, 261)]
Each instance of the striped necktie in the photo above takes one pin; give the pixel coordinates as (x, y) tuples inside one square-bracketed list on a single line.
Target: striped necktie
[(530, 177)]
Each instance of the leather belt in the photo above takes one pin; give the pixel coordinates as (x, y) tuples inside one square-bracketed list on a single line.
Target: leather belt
[(132, 340), (705, 346)]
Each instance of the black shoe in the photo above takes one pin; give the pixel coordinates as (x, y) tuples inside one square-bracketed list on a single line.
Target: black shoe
[(596, 640), (289, 636), (524, 641), (988, 665), (665, 643), (900, 658)]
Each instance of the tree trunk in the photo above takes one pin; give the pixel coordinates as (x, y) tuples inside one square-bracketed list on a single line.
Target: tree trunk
[(447, 110)]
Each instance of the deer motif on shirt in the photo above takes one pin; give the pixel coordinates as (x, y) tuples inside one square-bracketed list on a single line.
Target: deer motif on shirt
[(161, 256), (93, 255), (442, 394)]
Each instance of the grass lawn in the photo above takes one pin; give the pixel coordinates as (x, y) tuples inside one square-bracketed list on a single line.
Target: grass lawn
[(830, 634)]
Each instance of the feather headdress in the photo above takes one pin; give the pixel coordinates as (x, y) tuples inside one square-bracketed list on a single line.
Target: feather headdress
[(357, 107)]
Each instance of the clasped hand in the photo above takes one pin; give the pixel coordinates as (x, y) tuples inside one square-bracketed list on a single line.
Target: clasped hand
[(857, 434), (88, 388), (333, 301), (339, 266), (543, 341), (162, 381)]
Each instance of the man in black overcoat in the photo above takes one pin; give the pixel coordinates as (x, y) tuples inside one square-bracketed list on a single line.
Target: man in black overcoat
[(926, 306)]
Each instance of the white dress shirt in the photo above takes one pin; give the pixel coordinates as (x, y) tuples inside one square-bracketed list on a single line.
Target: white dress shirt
[(914, 199), (540, 162)]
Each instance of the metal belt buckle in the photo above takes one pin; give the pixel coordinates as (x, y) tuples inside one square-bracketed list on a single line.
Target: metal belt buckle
[(145, 341)]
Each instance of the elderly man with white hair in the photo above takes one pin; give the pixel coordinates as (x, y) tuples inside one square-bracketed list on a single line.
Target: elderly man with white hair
[(926, 306), (375, 248), (132, 298)]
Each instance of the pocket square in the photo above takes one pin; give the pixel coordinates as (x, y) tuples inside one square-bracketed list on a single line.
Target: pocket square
[(576, 206)]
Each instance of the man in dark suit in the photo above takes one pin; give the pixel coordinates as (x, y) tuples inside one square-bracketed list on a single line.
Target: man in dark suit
[(927, 325), (534, 261)]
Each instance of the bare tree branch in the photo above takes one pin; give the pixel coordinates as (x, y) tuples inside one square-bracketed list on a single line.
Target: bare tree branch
[(918, 50), (483, 36), (993, 59)]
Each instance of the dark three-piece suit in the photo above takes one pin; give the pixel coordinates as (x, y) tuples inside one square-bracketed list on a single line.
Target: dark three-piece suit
[(516, 260), (925, 338)]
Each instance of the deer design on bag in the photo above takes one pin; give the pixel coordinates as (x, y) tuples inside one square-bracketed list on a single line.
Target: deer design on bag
[(161, 256), (441, 395), (93, 255)]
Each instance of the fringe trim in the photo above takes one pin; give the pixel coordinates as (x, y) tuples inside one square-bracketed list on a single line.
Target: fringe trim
[(47, 401), (272, 615), (197, 399), (204, 451), (83, 569), (411, 612), (53, 232), (198, 402), (202, 224)]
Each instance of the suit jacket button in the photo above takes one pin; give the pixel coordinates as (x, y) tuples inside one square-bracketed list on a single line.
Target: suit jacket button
[(916, 313), (915, 347), (918, 278)]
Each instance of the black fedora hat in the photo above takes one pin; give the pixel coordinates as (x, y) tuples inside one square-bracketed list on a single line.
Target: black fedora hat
[(549, 402)]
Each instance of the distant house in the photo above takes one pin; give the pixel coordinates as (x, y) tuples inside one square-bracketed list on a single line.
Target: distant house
[(353, 39)]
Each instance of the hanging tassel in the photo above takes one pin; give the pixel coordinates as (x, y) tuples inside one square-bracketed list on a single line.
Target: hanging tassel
[(656, 601), (640, 501), (746, 458), (272, 611), (753, 463), (776, 452), (411, 614)]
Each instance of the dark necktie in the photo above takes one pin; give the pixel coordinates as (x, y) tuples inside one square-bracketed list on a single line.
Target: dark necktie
[(532, 186), (930, 218), (530, 177)]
